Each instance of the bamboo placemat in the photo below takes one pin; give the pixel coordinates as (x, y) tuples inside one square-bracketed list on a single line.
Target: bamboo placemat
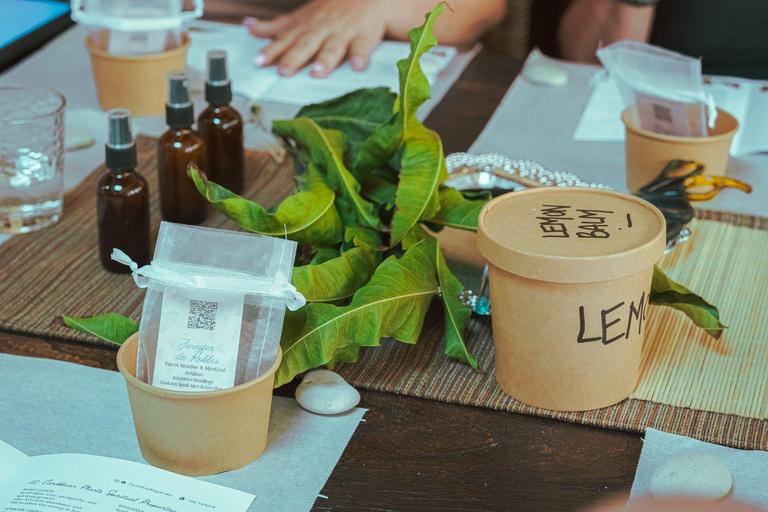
[(715, 391), (691, 385)]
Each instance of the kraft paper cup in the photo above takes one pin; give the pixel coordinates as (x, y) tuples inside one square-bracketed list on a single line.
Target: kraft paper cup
[(137, 83), (647, 152), (569, 312), (197, 434)]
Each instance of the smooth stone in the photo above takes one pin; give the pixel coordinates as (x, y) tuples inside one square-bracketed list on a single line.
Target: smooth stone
[(326, 392), (77, 138), (695, 475), (547, 74)]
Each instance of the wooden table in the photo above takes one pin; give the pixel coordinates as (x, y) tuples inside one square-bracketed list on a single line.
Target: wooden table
[(420, 455)]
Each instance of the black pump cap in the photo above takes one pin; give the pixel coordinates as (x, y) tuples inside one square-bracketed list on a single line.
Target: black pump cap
[(179, 112), (218, 87), (120, 149)]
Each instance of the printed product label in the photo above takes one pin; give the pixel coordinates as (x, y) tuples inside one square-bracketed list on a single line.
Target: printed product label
[(198, 340), (136, 43)]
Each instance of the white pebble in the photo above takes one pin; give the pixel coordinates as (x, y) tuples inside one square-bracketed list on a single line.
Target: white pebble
[(696, 475), (326, 392), (77, 138), (547, 74)]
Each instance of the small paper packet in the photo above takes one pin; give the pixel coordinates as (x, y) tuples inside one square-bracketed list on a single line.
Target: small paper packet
[(214, 308)]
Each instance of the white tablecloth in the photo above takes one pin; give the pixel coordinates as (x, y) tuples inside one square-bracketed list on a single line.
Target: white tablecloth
[(537, 122)]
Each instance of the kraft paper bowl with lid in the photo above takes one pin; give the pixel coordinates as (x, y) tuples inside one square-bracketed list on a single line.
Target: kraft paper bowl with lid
[(648, 152), (197, 434), (570, 274), (138, 83)]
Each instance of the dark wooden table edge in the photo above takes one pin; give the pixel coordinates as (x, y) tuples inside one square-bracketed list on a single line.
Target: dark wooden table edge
[(446, 441)]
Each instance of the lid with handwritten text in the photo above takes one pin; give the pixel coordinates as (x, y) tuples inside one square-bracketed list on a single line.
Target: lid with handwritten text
[(571, 235)]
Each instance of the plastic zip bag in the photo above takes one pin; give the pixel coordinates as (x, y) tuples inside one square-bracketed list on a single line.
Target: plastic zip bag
[(135, 27), (662, 88), (214, 308)]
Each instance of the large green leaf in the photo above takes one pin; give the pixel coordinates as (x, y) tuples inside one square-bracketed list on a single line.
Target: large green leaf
[(457, 211), (456, 313), (666, 292), (110, 327), (356, 114), (393, 303), (387, 139), (338, 278), (309, 216), (327, 150), (346, 354), (422, 163), (323, 254), (423, 170), (361, 237), (380, 191)]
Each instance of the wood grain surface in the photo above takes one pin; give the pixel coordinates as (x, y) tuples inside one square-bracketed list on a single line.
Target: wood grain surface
[(418, 455)]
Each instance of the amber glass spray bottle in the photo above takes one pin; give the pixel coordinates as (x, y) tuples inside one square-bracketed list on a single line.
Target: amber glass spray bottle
[(221, 127), (176, 149), (122, 198)]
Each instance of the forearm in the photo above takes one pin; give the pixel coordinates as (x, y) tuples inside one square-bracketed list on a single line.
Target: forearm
[(462, 23), (587, 24)]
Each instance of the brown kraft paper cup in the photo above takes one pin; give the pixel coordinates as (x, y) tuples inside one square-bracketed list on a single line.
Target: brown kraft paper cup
[(198, 434), (136, 83), (570, 273), (647, 152)]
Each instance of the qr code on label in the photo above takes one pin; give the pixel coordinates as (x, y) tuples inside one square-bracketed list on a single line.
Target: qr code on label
[(202, 315), (662, 113)]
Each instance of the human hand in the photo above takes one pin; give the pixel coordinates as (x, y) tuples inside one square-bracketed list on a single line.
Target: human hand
[(324, 32)]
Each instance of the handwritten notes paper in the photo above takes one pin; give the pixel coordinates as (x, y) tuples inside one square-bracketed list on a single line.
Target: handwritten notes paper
[(88, 483)]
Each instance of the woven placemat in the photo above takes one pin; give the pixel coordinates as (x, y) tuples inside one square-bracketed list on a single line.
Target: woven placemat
[(691, 385), (56, 271)]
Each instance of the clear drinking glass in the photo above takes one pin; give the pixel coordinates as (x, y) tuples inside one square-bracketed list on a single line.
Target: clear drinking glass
[(31, 158)]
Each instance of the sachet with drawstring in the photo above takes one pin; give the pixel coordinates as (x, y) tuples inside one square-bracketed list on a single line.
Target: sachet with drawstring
[(214, 307)]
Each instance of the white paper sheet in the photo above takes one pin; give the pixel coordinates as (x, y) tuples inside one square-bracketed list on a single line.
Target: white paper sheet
[(49, 407), (746, 100), (749, 468), (88, 483), (265, 84), (537, 122)]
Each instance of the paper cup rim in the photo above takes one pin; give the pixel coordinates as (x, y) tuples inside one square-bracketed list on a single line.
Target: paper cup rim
[(103, 55), (572, 269), (190, 395), (676, 138)]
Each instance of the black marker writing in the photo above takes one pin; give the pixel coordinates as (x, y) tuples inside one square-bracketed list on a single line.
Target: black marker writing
[(611, 317), (593, 224), (552, 217)]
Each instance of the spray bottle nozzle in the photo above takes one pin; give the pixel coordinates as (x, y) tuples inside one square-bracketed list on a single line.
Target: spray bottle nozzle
[(178, 93), (217, 66), (120, 135)]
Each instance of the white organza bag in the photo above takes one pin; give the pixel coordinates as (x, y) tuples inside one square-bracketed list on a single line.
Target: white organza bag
[(214, 308)]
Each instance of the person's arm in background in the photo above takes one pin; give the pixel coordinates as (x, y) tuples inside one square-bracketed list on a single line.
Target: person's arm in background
[(589, 24), (324, 33)]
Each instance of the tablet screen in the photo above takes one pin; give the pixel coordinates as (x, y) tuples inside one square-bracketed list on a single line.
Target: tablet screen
[(20, 17)]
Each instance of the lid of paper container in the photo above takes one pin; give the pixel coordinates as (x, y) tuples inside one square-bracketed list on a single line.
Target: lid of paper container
[(571, 235)]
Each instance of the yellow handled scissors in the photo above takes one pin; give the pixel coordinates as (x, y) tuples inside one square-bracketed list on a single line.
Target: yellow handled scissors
[(684, 178)]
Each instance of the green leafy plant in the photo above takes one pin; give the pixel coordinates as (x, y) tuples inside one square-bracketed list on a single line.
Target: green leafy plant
[(370, 180)]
